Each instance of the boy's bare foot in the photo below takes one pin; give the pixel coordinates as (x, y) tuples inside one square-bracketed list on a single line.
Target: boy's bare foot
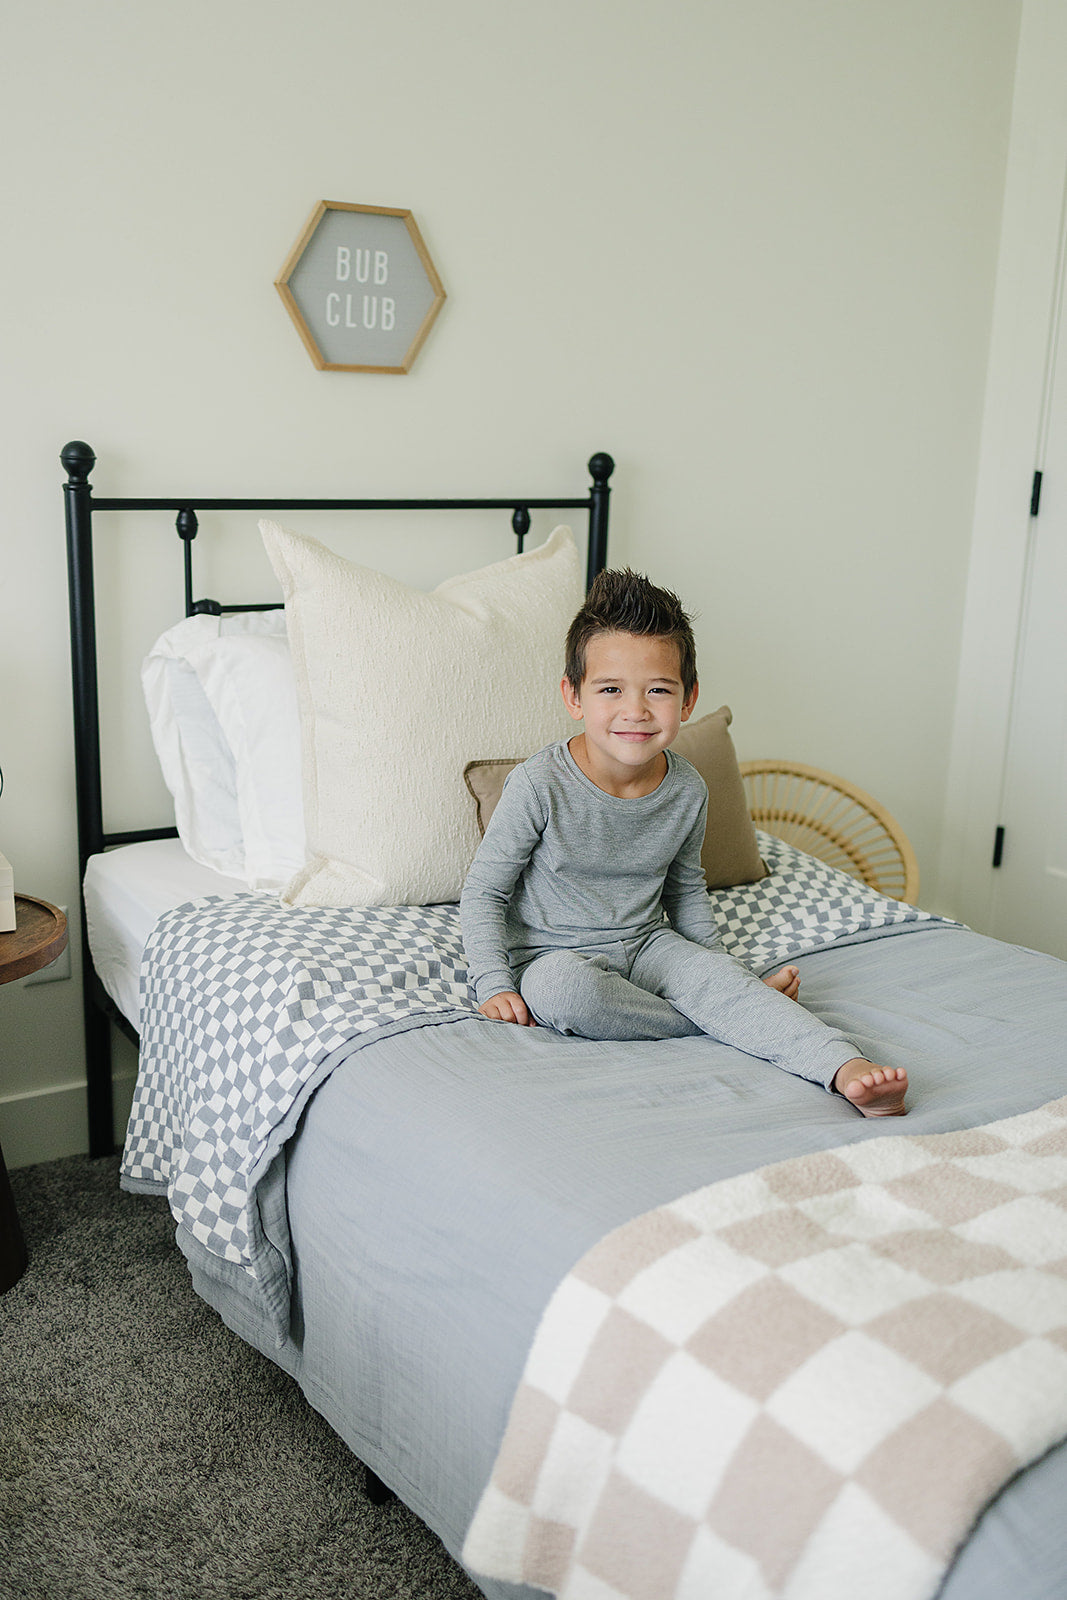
[(875, 1091), (787, 982)]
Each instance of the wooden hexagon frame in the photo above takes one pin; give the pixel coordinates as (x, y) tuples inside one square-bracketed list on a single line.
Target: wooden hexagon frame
[(281, 283)]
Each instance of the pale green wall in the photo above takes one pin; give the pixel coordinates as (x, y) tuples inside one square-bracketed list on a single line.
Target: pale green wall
[(749, 249)]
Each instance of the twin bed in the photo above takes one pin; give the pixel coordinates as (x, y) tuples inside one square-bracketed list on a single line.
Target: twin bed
[(383, 1192)]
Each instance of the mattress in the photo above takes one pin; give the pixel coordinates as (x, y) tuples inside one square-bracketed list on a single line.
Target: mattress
[(126, 892)]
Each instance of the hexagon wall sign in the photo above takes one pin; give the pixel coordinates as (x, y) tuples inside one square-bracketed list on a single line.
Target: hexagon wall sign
[(361, 288)]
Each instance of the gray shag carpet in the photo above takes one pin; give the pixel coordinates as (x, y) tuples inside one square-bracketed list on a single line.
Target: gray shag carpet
[(146, 1452)]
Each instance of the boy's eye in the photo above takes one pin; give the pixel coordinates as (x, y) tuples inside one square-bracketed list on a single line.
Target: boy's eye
[(656, 688)]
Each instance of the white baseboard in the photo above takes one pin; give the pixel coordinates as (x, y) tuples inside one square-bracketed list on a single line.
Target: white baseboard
[(51, 1123)]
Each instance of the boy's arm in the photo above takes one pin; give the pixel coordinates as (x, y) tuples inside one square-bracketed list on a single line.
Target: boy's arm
[(685, 893), (514, 831)]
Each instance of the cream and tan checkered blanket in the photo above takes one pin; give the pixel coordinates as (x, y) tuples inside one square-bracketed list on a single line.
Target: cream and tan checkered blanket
[(806, 1381)]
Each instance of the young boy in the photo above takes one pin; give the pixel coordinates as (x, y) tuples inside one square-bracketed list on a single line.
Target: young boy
[(596, 837)]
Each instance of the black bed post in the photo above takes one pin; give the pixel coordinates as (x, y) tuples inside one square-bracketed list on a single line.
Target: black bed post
[(601, 466), (79, 461)]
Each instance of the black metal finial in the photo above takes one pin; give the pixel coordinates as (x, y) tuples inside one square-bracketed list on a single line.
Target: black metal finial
[(601, 466), (520, 522), (79, 460), (186, 524)]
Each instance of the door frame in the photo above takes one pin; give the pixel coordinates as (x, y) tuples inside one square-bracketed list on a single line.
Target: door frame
[(1028, 273)]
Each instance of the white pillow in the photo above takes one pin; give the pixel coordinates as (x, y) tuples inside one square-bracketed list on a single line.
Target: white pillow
[(195, 759), (221, 700), (398, 690)]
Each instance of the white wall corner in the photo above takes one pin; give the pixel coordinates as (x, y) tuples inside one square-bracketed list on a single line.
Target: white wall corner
[(51, 1124)]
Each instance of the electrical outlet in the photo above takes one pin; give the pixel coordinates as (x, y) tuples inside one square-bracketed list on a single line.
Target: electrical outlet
[(60, 968)]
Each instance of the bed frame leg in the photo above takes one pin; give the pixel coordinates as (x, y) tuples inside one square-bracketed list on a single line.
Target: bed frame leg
[(98, 1078), (378, 1493)]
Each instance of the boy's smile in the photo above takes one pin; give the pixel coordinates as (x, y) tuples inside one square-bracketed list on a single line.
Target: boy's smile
[(633, 704)]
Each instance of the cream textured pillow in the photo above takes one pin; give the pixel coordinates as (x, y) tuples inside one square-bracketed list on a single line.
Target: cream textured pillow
[(397, 689)]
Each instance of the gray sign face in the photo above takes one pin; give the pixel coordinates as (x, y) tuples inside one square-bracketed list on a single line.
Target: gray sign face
[(361, 288)]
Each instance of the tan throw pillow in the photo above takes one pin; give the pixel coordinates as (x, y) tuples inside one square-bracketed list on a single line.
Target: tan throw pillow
[(730, 855), (485, 780), (395, 687)]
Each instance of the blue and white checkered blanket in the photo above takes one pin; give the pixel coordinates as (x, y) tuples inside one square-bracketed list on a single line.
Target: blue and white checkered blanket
[(246, 1003)]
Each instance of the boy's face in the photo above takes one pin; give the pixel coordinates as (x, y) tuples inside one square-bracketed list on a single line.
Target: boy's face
[(631, 699)]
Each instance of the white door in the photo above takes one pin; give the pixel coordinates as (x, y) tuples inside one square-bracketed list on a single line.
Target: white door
[(1030, 888)]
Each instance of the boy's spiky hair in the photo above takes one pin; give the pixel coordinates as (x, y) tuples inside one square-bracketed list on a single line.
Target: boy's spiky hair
[(621, 601)]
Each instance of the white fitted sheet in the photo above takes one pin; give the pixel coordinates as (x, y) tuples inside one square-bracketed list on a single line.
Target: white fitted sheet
[(126, 891)]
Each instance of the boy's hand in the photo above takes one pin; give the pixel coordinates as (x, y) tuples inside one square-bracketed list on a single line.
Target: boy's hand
[(508, 1007)]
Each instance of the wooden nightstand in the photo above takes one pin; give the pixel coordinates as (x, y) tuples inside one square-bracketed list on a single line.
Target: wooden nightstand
[(40, 936)]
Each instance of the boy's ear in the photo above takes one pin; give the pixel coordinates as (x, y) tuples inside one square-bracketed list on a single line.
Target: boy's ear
[(571, 699), (689, 702)]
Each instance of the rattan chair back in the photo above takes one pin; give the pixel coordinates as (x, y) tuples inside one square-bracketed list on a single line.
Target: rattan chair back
[(833, 820)]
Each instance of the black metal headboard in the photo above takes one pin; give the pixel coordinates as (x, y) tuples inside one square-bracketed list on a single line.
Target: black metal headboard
[(81, 502)]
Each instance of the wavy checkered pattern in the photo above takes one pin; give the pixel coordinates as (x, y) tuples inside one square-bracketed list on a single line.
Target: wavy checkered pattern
[(802, 906), (244, 999), (806, 1381)]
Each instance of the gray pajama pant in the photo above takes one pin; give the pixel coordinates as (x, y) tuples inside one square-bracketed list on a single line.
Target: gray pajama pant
[(666, 987)]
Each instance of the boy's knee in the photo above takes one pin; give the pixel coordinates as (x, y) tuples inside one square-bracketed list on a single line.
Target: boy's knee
[(552, 985), (557, 970)]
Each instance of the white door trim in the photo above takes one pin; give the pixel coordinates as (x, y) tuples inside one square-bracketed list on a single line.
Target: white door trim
[(1011, 442)]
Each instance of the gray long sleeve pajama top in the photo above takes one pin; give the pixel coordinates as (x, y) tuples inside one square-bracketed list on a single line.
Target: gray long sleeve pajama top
[(563, 865)]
